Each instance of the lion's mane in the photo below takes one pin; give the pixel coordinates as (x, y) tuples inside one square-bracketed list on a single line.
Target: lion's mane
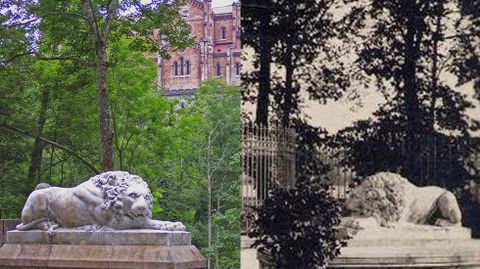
[(384, 196), (114, 185)]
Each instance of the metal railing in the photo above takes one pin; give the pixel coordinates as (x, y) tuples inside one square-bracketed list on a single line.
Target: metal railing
[(268, 161)]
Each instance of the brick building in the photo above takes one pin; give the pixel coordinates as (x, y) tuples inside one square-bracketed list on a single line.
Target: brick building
[(215, 54)]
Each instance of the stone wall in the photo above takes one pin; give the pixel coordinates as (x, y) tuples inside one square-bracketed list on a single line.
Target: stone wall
[(5, 226)]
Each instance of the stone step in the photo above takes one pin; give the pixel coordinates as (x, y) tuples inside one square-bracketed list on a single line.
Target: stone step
[(113, 237), (454, 254), (417, 232), (425, 243), (49, 256)]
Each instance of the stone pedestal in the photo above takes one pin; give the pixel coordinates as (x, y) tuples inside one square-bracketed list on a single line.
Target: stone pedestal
[(66, 248), (412, 247), (5, 226), (415, 246), (248, 254)]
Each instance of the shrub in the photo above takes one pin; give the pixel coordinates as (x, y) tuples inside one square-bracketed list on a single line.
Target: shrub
[(469, 200), (297, 226)]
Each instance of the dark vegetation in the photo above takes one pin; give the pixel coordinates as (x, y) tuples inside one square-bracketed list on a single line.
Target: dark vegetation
[(422, 57)]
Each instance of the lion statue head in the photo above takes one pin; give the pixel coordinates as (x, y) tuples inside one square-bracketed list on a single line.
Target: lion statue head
[(381, 196), (125, 194)]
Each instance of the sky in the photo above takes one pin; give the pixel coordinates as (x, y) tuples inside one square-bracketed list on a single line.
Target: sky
[(337, 115), (221, 3)]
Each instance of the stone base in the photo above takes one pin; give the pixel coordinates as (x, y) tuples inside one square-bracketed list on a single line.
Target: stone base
[(410, 247), (111, 237), (126, 249), (43, 256), (5, 226), (464, 254)]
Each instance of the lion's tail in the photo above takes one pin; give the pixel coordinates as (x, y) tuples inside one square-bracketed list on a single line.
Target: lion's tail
[(28, 226)]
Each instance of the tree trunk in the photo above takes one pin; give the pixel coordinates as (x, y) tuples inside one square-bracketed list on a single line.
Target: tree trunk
[(106, 133), (412, 111), (38, 145), (431, 177), (99, 38), (264, 74), (288, 95), (119, 147), (209, 198), (287, 107), (217, 235), (209, 217)]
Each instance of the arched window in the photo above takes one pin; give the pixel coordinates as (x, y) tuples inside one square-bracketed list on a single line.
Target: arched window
[(181, 66), (188, 68), (175, 69), (224, 32), (237, 69), (219, 70)]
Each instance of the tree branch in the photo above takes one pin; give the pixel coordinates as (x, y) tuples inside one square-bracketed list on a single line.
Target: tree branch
[(15, 57), (63, 58), (7, 25), (46, 15), (55, 144), (67, 14), (50, 58), (112, 7), (93, 19), (89, 14), (144, 12), (461, 36)]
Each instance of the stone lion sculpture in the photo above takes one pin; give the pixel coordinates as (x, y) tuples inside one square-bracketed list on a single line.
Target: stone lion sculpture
[(391, 200), (115, 199)]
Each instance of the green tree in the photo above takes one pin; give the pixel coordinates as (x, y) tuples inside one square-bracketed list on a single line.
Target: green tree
[(204, 165), (85, 30), (218, 145)]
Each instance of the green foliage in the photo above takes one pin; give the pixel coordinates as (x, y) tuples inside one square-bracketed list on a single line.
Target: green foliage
[(50, 92), (213, 114), (227, 243), (154, 138), (66, 23), (85, 32)]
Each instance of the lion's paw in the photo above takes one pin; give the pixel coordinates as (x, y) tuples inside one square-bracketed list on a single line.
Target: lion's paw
[(177, 226), (443, 223), (160, 226), (390, 225), (362, 223)]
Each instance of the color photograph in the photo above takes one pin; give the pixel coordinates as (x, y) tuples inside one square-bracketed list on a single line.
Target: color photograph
[(119, 134)]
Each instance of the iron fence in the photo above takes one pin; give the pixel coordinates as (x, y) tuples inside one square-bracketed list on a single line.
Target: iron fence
[(268, 161)]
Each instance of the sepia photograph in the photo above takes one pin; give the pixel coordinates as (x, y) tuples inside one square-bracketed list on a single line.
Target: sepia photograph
[(360, 134)]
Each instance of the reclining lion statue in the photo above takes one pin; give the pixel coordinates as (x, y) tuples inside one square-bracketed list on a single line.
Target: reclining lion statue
[(391, 200), (113, 199)]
